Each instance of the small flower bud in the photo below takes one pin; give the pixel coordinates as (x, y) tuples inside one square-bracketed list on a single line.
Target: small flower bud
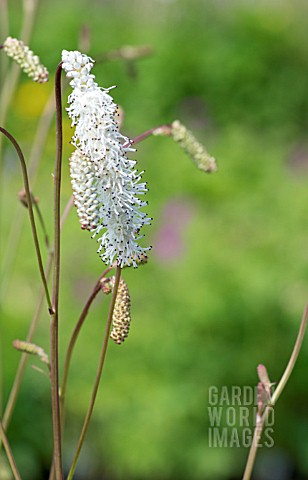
[(192, 147), (264, 379), (26, 59), (121, 313), (23, 198), (106, 286), (27, 347)]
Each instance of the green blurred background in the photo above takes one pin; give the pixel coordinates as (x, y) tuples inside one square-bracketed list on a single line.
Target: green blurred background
[(227, 278)]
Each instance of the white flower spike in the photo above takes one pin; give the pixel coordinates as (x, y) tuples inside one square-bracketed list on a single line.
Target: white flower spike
[(105, 183), (26, 59)]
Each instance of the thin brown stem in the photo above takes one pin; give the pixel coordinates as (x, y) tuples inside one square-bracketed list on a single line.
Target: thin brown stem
[(54, 360), (30, 8), (289, 369), (76, 331), (280, 387), (24, 357), (148, 133), (9, 453), (42, 223), (66, 211), (16, 225), (4, 32), (41, 136), (255, 443), (30, 210), (98, 374), (70, 349)]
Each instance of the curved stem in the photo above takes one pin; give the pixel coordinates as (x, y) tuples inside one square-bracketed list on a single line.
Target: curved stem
[(70, 349), (24, 357), (54, 360), (255, 443), (98, 374), (280, 387), (165, 128), (42, 223), (30, 210), (30, 8), (74, 337), (9, 453), (4, 31), (299, 340), (17, 222)]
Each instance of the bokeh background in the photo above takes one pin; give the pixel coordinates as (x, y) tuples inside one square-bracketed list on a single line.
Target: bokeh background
[(227, 278)]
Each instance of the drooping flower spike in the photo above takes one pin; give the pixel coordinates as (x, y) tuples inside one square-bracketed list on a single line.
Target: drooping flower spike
[(105, 183), (28, 62), (192, 147)]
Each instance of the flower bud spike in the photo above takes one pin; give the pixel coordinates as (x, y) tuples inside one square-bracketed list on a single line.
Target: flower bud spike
[(23, 198), (25, 58), (31, 348), (192, 147), (121, 315)]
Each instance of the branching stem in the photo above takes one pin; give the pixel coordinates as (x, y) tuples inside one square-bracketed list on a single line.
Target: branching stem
[(98, 374), (95, 291)]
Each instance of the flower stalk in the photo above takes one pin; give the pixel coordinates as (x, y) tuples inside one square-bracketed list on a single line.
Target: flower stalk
[(261, 420), (97, 288), (9, 453), (30, 210), (54, 313), (98, 374)]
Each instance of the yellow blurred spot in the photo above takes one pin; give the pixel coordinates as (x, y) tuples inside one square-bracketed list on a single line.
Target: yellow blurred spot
[(31, 98)]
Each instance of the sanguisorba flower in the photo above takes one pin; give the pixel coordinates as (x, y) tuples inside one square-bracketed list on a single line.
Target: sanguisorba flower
[(106, 184), (26, 59)]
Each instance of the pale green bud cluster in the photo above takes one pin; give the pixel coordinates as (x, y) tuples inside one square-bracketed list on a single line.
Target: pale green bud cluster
[(31, 348), (192, 147), (26, 59)]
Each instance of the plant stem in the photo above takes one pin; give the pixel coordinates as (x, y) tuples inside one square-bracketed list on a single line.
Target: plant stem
[(288, 371), (43, 226), (70, 349), (278, 391), (24, 357), (98, 374), (4, 31), (9, 453), (54, 360), (30, 210), (30, 7), (147, 134), (17, 222), (76, 331)]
